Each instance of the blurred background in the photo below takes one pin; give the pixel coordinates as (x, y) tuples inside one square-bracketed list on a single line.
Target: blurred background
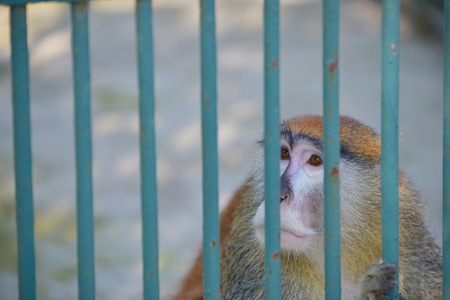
[(240, 93)]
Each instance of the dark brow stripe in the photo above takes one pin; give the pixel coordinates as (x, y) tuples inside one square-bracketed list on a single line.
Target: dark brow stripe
[(293, 139)]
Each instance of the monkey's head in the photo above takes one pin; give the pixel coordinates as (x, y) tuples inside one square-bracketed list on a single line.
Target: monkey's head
[(302, 176)]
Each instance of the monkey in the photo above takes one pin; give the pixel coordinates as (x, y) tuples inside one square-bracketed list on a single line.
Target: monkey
[(363, 275)]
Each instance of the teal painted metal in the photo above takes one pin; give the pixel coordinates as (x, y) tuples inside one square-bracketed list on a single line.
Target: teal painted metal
[(272, 259), (446, 167), (85, 234), (21, 2), (149, 198), (331, 148), (22, 153), (211, 236), (389, 132), (86, 266)]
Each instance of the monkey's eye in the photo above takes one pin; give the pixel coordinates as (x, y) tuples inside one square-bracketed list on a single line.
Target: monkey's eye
[(315, 160), (284, 154)]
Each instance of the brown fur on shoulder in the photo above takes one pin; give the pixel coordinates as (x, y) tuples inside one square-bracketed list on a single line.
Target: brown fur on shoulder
[(192, 284)]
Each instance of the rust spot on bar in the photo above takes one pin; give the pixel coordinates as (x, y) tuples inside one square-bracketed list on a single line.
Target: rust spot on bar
[(82, 7), (334, 171), (207, 98), (270, 271), (213, 244), (274, 63), (394, 49), (276, 255), (333, 66)]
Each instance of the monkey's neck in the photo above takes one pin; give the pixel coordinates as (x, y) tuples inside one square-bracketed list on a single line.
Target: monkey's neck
[(301, 268), (243, 268), (243, 274)]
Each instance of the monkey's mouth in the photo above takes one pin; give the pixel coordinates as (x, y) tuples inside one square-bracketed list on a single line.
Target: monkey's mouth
[(299, 236), (291, 239)]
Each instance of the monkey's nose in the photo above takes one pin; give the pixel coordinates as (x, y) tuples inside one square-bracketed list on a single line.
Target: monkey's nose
[(284, 197)]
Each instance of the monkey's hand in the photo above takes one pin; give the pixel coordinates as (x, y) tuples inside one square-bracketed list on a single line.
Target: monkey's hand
[(377, 281)]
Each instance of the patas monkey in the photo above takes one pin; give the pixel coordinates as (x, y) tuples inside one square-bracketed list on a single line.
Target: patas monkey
[(302, 232)]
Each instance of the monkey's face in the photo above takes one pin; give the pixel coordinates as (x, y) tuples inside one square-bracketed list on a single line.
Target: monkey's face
[(301, 176), (301, 197)]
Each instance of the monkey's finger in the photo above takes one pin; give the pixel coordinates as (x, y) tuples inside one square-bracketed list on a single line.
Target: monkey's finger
[(389, 270), (403, 297)]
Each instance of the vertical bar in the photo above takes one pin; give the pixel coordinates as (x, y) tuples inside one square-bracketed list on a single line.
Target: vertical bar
[(446, 167), (389, 132), (22, 153), (211, 245), (147, 149), (272, 260), (85, 234), (331, 148)]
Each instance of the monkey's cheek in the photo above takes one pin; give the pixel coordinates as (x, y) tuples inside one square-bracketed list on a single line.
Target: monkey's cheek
[(259, 233)]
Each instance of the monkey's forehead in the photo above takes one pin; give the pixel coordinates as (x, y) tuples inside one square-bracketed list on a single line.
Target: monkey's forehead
[(357, 140)]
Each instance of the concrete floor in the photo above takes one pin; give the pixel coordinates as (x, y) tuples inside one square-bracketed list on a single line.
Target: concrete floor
[(240, 92)]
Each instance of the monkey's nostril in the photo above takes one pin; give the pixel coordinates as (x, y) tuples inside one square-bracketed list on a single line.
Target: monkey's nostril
[(282, 198)]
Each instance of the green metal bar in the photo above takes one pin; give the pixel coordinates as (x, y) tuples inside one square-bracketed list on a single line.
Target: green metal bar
[(149, 198), (272, 260), (389, 132), (211, 238), (331, 148), (85, 234), (22, 153), (21, 2), (446, 167)]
